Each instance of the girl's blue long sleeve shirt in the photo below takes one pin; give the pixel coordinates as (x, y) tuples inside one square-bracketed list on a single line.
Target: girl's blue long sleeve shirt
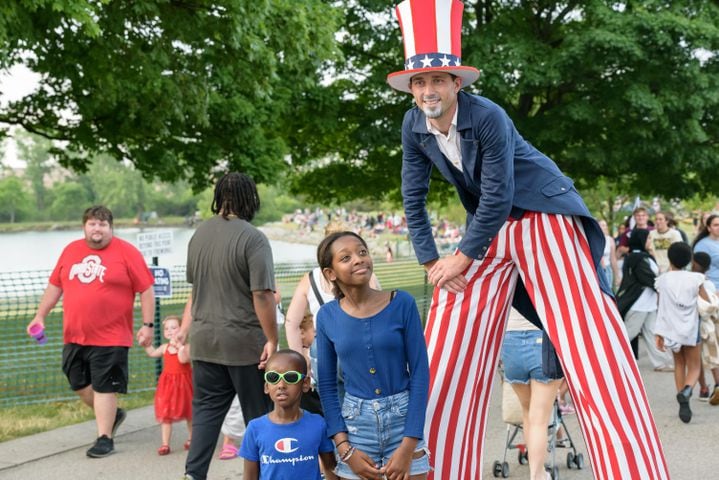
[(381, 355)]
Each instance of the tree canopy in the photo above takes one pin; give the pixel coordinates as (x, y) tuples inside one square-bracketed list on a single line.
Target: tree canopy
[(626, 91), (177, 87)]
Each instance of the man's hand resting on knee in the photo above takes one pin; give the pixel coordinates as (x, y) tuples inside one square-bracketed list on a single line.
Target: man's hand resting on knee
[(448, 272)]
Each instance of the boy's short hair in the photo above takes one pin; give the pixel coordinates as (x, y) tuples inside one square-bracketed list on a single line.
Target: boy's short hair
[(680, 254), (300, 361), (703, 260), (307, 322)]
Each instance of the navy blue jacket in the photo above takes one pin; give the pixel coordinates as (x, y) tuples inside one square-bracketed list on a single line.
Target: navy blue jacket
[(502, 174)]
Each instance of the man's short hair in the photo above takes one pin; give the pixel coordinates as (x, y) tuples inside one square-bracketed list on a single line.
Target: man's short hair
[(97, 212), (640, 209), (680, 254)]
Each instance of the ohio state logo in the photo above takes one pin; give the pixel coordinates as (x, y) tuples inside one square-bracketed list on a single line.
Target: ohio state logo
[(286, 445), (89, 269)]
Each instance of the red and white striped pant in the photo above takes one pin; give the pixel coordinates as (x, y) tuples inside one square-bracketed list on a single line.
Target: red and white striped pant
[(464, 335)]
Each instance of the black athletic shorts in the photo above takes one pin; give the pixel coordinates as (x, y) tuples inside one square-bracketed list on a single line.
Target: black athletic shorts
[(105, 368)]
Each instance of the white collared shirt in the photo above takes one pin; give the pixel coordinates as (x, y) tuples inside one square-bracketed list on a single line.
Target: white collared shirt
[(448, 144)]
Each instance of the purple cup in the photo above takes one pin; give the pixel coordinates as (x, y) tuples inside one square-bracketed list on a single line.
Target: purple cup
[(37, 332)]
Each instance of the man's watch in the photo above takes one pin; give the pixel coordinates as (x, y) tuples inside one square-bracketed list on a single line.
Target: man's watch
[(148, 324)]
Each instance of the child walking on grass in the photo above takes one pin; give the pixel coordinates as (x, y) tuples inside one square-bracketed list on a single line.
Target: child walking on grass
[(173, 397), (377, 336), (678, 322), (286, 443)]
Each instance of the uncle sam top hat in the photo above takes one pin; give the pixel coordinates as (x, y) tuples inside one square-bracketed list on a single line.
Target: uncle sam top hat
[(432, 34)]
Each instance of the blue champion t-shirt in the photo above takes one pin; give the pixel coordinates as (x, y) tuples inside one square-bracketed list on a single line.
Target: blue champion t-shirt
[(287, 451)]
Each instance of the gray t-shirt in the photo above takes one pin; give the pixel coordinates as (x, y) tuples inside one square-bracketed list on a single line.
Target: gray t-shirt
[(226, 261)]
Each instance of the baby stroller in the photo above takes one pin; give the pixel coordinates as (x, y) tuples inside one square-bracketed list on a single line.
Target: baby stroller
[(512, 416)]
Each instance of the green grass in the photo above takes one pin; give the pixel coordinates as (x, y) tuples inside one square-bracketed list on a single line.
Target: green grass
[(25, 420), (32, 374)]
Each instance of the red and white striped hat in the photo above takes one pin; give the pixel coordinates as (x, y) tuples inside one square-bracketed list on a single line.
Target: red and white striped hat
[(432, 34)]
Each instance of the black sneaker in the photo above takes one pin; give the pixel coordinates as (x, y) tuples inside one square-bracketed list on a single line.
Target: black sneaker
[(685, 412), (120, 417), (103, 447)]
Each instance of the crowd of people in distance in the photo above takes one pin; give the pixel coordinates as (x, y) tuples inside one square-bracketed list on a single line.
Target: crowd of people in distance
[(666, 293), (367, 224), (370, 226)]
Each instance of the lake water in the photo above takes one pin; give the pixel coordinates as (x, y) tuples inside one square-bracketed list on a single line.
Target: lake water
[(27, 251)]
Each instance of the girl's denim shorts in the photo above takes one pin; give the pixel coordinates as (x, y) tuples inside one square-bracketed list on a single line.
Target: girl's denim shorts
[(522, 356), (376, 428)]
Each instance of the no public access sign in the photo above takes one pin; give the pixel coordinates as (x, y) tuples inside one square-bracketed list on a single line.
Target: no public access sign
[(154, 244)]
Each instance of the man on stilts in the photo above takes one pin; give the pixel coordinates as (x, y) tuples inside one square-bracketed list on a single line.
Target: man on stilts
[(531, 241)]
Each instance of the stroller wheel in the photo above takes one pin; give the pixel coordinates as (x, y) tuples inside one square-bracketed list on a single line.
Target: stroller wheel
[(579, 461), (523, 457), (505, 470), (555, 473), (570, 460), (496, 468)]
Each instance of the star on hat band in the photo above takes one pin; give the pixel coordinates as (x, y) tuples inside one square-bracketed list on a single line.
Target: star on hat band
[(431, 31)]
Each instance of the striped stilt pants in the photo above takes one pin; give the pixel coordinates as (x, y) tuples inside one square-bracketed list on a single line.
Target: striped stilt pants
[(464, 335)]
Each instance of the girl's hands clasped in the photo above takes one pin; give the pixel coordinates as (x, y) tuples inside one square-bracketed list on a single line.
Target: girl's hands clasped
[(398, 465), (362, 465)]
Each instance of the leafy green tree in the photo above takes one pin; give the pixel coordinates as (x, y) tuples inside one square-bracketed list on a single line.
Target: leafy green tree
[(624, 90), (2, 153), (14, 200), (175, 199), (178, 88), (69, 200), (35, 151), (274, 203), (118, 186), (605, 199)]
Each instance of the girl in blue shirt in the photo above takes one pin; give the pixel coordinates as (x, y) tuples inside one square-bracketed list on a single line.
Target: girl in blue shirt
[(377, 336)]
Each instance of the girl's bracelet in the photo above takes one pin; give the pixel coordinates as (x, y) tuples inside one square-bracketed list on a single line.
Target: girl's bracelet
[(346, 440), (346, 456)]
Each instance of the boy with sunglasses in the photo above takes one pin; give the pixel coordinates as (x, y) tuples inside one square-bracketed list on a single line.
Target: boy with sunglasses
[(286, 443)]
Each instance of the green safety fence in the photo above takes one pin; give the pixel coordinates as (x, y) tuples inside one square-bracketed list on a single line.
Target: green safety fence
[(31, 373)]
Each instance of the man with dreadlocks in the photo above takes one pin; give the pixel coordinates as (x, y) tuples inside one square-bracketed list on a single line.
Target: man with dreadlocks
[(232, 324)]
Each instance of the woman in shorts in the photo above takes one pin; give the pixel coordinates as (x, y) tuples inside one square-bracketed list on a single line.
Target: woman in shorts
[(522, 360)]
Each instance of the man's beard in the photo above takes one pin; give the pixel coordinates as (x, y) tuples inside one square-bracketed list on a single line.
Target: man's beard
[(433, 112), (96, 242)]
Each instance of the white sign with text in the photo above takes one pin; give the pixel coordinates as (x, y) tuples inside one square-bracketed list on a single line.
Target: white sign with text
[(154, 244)]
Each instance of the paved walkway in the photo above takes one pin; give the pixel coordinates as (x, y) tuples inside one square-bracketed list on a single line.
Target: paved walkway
[(60, 454)]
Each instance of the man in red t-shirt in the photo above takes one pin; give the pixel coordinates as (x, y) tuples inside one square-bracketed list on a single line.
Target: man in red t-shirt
[(98, 278)]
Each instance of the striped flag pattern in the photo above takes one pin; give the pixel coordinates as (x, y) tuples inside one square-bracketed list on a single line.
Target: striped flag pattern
[(464, 335), (426, 29)]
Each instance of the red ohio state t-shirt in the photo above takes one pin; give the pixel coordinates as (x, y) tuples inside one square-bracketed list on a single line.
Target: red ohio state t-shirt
[(99, 288)]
